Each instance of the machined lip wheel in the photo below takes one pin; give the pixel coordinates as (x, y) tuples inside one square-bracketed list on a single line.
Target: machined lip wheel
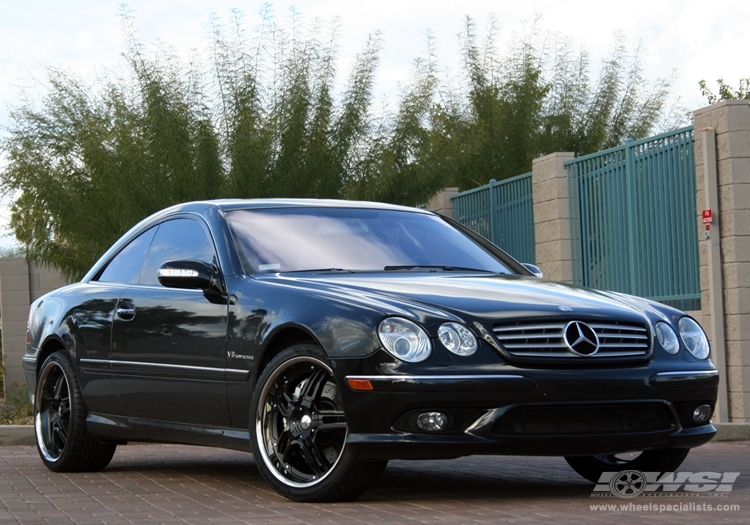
[(300, 425), (52, 407)]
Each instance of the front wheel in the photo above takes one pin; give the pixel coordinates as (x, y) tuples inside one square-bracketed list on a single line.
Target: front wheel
[(63, 442), (299, 431), (657, 460)]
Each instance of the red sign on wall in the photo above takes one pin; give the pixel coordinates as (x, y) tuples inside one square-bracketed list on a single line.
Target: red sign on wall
[(708, 216)]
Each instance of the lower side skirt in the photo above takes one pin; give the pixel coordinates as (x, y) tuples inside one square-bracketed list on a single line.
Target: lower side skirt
[(120, 429)]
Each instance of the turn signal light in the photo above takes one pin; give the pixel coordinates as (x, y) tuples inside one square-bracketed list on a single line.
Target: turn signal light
[(359, 384)]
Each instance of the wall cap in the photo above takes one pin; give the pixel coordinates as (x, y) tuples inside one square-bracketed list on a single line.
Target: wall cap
[(558, 155), (722, 104)]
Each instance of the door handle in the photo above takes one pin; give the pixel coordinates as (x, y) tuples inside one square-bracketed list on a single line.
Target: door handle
[(126, 313)]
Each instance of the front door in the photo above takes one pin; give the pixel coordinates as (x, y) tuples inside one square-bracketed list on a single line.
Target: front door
[(169, 345)]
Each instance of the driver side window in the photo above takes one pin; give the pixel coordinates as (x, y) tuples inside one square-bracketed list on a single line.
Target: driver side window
[(178, 239)]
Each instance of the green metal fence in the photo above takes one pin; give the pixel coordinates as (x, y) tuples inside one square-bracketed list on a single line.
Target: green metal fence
[(503, 212), (633, 219)]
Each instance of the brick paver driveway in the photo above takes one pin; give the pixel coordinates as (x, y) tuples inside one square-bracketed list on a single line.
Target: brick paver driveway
[(193, 485)]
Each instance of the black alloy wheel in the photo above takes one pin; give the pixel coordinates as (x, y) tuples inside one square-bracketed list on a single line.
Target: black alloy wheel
[(299, 434), (60, 423), (52, 420), (657, 460)]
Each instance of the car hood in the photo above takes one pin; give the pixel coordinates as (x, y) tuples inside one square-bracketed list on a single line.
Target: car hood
[(486, 297)]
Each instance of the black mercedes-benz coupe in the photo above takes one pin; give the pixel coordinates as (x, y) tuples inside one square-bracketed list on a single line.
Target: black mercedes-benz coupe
[(327, 337)]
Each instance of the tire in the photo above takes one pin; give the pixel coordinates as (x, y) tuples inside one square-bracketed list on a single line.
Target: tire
[(298, 431), (60, 421), (657, 460)]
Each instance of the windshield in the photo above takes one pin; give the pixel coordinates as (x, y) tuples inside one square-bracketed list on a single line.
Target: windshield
[(353, 239)]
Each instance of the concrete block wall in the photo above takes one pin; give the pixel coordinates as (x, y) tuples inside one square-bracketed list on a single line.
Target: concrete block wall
[(730, 122), (20, 284), (43, 280)]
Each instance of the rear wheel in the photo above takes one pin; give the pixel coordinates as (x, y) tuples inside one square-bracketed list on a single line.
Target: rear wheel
[(657, 460), (60, 421), (299, 431)]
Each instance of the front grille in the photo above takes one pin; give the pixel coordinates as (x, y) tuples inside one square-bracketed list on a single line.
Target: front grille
[(607, 418), (547, 340)]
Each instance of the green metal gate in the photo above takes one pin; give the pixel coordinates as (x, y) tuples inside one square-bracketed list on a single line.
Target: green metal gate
[(633, 219), (502, 212)]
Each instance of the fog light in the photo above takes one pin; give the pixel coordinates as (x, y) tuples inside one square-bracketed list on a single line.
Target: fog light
[(702, 414), (432, 421)]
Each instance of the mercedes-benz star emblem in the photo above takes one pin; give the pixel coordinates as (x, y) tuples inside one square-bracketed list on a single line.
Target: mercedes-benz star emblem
[(581, 338)]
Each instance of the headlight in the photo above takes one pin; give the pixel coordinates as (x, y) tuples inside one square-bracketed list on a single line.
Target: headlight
[(457, 338), (667, 338), (694, 338), (404, 339)]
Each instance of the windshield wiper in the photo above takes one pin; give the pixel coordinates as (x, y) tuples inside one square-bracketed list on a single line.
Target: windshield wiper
[(436, 267), (342, 270)]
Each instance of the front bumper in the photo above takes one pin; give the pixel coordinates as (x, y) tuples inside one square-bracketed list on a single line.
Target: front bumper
[(526, 412)]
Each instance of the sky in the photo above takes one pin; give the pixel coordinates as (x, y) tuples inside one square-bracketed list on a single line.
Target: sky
[(693, 40)]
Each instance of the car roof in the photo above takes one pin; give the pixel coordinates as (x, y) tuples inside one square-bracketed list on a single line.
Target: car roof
[(244, 204)]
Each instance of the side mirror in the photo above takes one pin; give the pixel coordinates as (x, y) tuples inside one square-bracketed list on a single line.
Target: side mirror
[(533, 269), (193, 274)]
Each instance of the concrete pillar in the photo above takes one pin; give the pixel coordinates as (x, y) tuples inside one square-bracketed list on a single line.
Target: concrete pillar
[(730, 120), (441, 202), (549, 184), (21, 283)]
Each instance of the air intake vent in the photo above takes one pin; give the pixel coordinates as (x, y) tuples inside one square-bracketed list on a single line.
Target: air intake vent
[(586, 419)]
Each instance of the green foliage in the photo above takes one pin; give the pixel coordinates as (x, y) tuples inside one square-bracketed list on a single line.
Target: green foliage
[(538, 100), (15, 408), (726, 92), (395, 164), (263, 117)]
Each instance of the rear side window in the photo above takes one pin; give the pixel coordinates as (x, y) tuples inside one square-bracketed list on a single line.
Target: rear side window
[(126, 266), (178, 239)]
